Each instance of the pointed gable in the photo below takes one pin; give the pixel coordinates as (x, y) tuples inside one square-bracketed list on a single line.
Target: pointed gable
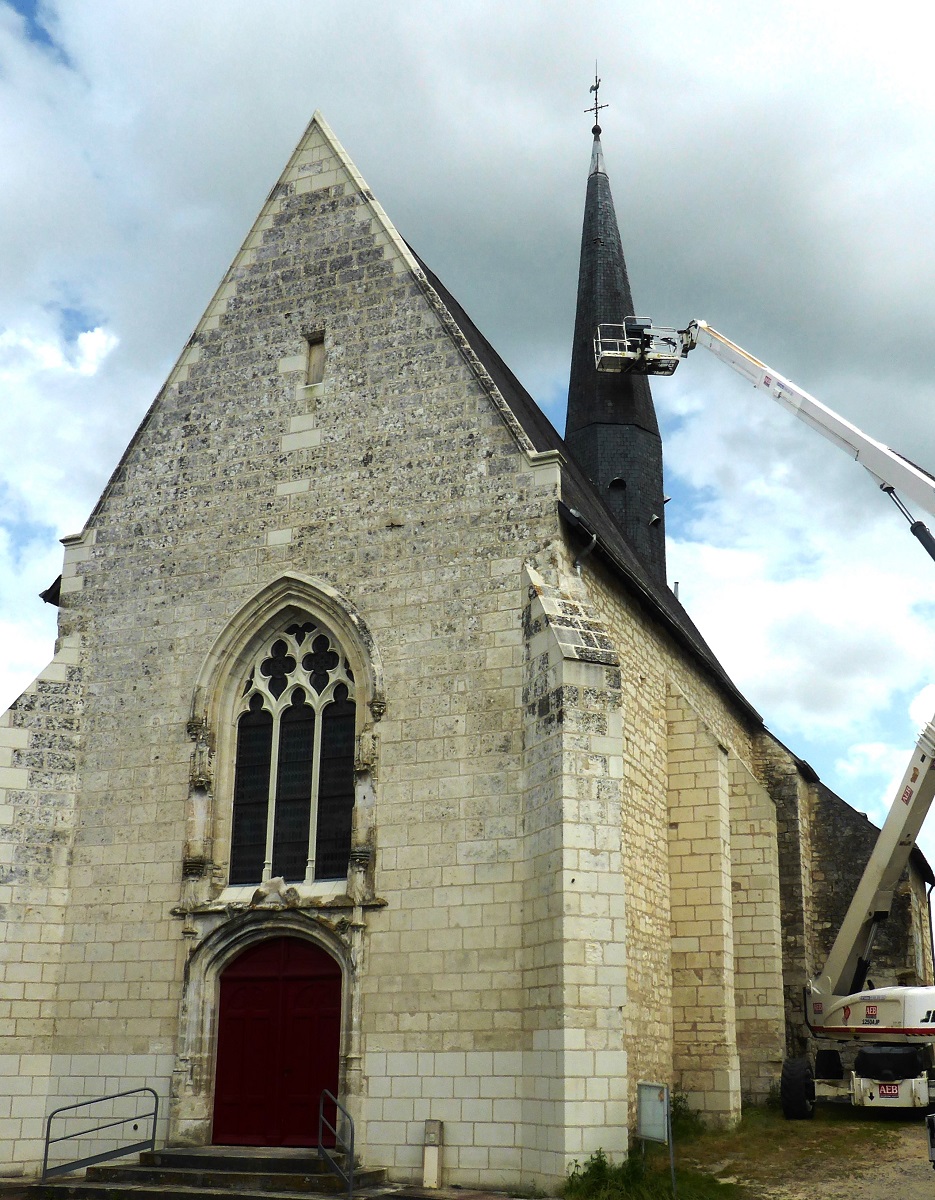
[(318, 167), (292, 282)]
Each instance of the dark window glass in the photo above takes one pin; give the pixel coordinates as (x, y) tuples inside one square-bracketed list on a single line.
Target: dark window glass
[(335, 787), (279, 664), (293, 789), (301, 713), (251, 793)]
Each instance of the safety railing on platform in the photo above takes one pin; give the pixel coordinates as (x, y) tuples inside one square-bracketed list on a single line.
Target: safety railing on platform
[(95, 1133), (341, 1143)]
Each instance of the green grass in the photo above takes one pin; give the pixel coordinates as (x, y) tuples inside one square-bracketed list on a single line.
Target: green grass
[(642, 1177), (765, 1147), (713, 1164)]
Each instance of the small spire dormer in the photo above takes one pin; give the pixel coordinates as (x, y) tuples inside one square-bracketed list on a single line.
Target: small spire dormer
[(611, 426)]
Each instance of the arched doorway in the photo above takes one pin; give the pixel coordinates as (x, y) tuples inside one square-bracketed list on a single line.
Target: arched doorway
[(279, 1023)]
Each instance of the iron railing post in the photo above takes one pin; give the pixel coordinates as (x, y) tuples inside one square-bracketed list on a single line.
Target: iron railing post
[(339, 1141), (89, 1160)]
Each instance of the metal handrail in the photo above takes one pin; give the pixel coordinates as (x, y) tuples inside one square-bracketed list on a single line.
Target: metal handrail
[(339, 1142), (74, 1164)]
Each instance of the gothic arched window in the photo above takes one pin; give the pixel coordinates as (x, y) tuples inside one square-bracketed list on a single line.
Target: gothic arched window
[(294, 766)]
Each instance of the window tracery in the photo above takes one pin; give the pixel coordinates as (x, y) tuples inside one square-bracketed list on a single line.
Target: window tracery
[(294, 764)]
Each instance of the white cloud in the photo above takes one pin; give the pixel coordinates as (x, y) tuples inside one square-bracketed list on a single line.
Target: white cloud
[(773, 172), (875, 770), (25, 359), (93, 347), (52, 423), (27, 626), (922, 708)]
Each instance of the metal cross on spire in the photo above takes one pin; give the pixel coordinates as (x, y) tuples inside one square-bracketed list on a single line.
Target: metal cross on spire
[(595, 107)]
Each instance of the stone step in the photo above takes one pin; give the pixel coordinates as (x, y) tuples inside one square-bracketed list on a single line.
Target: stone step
[(206, 1173), (80, 1190), (250, 1181), (289, 1160)]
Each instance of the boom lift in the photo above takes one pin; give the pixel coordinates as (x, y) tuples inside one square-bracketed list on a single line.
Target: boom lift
[(894, 1027)]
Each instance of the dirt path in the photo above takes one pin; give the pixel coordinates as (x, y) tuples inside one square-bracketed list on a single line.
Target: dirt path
[(904, 1174)]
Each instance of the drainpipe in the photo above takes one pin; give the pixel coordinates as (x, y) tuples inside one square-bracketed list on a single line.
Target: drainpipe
[(585, 552)]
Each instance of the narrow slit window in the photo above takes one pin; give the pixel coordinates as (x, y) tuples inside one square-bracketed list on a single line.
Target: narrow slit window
[(316, 358)]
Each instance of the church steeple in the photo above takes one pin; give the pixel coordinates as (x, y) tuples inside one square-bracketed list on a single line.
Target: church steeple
[(611, 426)]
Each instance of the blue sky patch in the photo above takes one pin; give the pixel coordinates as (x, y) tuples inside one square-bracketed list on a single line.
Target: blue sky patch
[(73, 321), (25, 535), (34, 13)]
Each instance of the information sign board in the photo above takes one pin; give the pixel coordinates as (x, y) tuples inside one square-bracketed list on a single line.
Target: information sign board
[(652, 1112)]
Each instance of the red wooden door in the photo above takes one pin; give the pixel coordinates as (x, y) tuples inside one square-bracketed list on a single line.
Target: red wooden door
[(279, 1022)]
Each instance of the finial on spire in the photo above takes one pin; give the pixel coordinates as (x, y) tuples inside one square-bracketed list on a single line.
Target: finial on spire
[(595, 107)]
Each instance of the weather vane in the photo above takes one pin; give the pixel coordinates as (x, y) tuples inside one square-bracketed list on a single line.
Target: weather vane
[(596, 107)]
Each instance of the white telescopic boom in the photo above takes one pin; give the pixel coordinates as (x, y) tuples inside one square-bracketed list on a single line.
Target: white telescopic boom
[(846, 969), (887, 467)]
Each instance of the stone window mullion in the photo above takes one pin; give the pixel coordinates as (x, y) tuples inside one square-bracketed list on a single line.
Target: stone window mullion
[(313, 809), (271, 809)]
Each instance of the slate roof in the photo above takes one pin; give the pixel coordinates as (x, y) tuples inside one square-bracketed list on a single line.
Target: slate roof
[(604, 297), (582, 508)]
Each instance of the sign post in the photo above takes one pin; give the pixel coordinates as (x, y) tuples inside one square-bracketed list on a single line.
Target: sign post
[(654, 1119)]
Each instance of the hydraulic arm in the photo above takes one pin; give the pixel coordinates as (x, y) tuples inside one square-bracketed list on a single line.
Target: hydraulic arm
[(849, 959), (894, 1027), (638, 345)]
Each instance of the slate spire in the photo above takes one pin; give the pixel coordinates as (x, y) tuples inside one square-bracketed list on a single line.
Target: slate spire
[(611, 426)]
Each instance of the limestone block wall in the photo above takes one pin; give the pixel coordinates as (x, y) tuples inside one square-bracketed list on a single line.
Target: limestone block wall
[(653, 669), (920, 915), (39, 762), (594, 927), (706, 1060), (789, 784), (39, 747), (442, 1004), (518, 1102), (543, 973), (400, 481), (576, 1070), (756, 909), (768, 837), (646, 1022)]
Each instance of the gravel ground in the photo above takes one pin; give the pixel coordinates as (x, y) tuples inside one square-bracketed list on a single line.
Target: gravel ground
[(904, 1174), (901, 1173)]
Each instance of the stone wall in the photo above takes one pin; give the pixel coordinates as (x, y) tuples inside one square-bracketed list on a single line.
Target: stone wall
[(402, 485), (39, 745), (789, 784), (704, 970), (575, 1087), (757, 931), (843, 842), (706, 1064)]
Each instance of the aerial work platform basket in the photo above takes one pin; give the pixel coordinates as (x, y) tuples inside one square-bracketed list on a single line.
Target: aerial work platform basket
[(638, 347)]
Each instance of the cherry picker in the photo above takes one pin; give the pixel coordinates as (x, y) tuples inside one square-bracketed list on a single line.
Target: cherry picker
[(893, 1027)]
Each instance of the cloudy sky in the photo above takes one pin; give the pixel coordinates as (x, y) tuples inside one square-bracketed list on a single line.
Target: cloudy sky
[(773, 169)]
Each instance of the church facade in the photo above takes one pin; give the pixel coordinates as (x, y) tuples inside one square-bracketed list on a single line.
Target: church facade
[(376, 755)]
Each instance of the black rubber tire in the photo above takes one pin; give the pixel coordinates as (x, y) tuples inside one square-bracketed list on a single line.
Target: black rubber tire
[(797, 1090)]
